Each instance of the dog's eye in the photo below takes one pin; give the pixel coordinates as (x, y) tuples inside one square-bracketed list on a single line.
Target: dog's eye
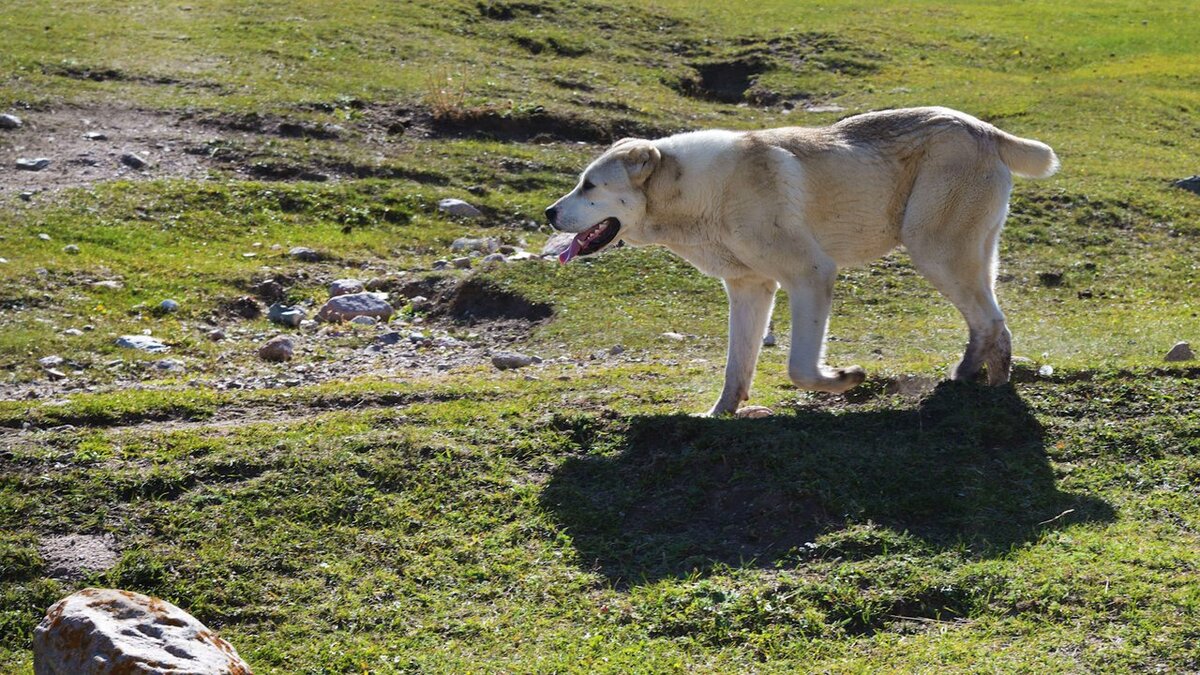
[(588, 185)]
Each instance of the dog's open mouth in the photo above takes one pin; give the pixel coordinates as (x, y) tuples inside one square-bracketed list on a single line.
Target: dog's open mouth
[(592, 239)]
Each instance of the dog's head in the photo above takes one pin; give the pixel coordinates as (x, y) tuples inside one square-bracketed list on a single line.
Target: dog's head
[(609, 203)]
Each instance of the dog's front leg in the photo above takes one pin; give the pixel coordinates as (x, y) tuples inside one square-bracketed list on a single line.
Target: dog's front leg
[(810, 299), (750, 303)]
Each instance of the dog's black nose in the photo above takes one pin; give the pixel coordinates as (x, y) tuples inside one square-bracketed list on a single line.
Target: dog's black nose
[(551, 213)]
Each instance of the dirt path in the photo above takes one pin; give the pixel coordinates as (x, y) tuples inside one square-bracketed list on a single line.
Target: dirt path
[(85, 146)]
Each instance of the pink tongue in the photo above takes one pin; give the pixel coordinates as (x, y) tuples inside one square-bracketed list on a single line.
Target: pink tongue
[(572, 250)]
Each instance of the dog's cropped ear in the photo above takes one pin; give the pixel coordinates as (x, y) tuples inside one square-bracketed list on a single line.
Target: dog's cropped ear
[(641, 158)]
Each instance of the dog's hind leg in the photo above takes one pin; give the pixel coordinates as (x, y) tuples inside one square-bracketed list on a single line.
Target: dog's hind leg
[(810, 298), (750, 304), (952, 230)]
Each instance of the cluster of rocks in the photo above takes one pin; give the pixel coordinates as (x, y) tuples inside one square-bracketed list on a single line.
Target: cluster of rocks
[(485, 250), (11, 122)]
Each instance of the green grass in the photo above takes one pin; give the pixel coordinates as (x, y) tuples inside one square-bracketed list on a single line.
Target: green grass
[(578, 520)]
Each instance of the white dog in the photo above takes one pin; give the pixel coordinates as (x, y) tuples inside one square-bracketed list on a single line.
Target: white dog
[(788, 207)]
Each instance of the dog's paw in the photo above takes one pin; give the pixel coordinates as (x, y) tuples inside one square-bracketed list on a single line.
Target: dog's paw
[(753, 412), (844, 379)]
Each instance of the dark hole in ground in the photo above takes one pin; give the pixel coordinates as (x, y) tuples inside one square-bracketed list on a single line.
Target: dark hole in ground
[(476, 300), (305, 130), (539, 124), (724, 81), (553, 45), (507, 11)]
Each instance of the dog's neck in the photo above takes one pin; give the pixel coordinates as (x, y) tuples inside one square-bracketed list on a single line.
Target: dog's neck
[(682, 194)]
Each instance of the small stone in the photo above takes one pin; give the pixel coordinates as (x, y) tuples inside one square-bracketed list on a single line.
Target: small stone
[(616, 350), (216, 335), (769, 339), (493, 258), (440, 264), (71, 249), (8, 121), (461, 263), (304, 254), (285, 315), (345, 287), (143, 343), (43, 236), (346, 307), (133, 161), (108, 630), (389, 338), (170, 365), (73, 332), (88, 327), (51, 361), (418, 300), (26, 196), (55, 374), (417, 337), (96, 136), (557, 243), (168, 306), (467, 244), (108, 285), (364, 320), (678, 337), (511, 360), (1182, 351), (1191, 184), (1046, 370), (279, 348), (459, 209), (35, 164)]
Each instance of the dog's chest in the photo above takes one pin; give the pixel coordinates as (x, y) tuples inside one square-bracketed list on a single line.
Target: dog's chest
[(713, 259)]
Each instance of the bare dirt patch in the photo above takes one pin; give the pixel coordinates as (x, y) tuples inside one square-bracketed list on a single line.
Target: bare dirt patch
[(72, 556), (62, 136)]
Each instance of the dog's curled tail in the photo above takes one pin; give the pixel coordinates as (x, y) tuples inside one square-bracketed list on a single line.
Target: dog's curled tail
[(1027, 157)]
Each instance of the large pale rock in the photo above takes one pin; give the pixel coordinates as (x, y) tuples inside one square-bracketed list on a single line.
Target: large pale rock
[(1182, 351), (305, 254), (143, 343), (1191, 184), (459, 208), (511, 360), (468, 244), (106, 631), (345, 287), (278, 349), (346, 307)]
